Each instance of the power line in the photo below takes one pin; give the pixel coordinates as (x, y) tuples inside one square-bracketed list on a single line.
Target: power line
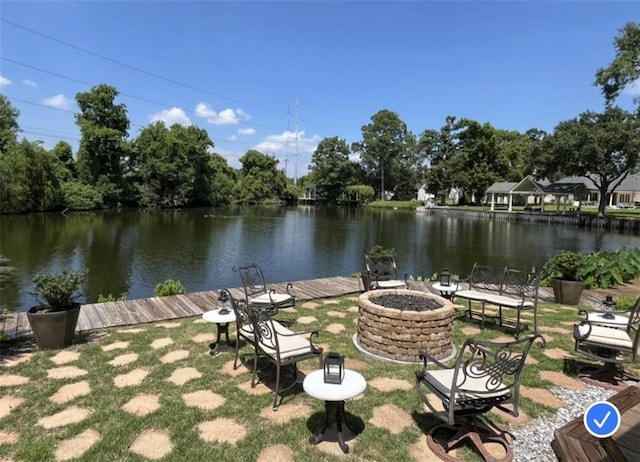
[(137, 69)]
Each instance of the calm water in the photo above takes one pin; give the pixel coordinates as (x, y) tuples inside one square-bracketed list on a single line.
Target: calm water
[(131, 251)]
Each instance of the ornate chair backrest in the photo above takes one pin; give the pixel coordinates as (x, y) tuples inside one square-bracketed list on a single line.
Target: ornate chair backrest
[(485, 277), (520, 283), (381, 267), (489, 374), (253, 280), (243, 320), (633, 328), (265, 330)]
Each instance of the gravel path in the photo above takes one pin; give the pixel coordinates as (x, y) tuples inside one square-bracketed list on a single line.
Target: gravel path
[(533, 442)]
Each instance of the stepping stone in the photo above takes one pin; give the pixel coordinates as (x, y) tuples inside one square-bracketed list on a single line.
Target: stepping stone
[(470, 330), (14, 360), (353, 309), (183, 375), (8, 438), (71, 415), (174, 356), (142, 405), (203, 399), (203, 338), (307, 320), (352, 299), (13, 380), (556, 330), (279, 452), (562, 380), (291, 309), (75, 447), (221, 431), (503, 338), (135, 330), (519, 421), (115, 346), (161, 343), (331, 302), (8, 404), (65, 357), (169, 325), (355, 364), (200, 321), (70, 392), (228, 369), (392, 418), (389, 384), (435, 402), (135, 377), (336, 314), (531, 360), (286, 413), (420, 451), (260, 389), (310, 305), (556, 353), (123, 360), (152, 444), (65, 372), (548, 338), (335, 328), (541, 396)]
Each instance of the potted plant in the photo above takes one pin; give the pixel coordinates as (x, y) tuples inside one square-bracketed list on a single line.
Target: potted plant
[(54, 320), (563, 271)]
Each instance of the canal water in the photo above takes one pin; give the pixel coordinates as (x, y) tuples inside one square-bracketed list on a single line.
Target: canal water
[(130, 251)]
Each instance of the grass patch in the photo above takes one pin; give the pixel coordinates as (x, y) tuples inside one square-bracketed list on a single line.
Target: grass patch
[(119, 429)]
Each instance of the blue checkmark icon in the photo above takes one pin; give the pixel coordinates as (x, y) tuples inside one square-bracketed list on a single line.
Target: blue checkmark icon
[(602, 419)]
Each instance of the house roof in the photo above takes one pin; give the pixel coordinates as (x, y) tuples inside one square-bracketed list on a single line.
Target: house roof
[(501, 188)]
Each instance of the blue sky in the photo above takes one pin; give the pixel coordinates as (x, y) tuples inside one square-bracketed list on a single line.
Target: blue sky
[(238, 68)]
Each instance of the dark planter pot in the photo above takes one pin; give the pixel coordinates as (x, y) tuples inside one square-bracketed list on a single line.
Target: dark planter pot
[(55, 329), (567, 292)]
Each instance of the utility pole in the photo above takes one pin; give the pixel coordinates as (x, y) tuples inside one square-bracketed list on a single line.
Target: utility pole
[(295, 178)]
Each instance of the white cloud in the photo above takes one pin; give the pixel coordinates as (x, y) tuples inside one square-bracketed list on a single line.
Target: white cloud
[(58, 101), (633, 88), (287, 142), (175, 115), (29, 83), (246, 131), (4, 82), (225, 117)]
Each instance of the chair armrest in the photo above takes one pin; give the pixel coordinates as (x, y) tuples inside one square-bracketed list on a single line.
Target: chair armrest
[(289, 287), (426, 358), (576, 330)]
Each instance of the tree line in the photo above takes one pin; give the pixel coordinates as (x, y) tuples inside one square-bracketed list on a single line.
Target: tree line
[(177, 166)]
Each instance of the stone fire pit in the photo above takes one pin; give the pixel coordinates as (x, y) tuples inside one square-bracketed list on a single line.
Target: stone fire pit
[(397, 324)]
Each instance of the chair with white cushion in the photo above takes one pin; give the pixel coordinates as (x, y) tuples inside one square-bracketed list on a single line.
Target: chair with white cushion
[(486, 375), (258, 295), (244, 328), (381, 273), (612, 344), (283, 347)]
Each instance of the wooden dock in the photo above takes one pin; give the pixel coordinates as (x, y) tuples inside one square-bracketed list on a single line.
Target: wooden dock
[(154, 309), (140, 311)]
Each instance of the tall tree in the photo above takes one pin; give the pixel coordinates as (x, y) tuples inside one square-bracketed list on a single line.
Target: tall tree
[(604, 147), (260, 178), (103, 148), (63, 152), (172, 165), (331, 169), (385, 140), (625, 67), (8, 124)]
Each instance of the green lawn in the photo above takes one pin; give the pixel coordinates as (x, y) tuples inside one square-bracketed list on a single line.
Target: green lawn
[(187, 395)]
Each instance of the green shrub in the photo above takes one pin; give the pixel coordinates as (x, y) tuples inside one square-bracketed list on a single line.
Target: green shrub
[(57, 290), (169, 287), (111, 298), (566, 265)]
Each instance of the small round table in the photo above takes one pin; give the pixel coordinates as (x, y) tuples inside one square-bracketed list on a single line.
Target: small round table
[(222, 321), (616, 321), (446, 291), (334, 396)]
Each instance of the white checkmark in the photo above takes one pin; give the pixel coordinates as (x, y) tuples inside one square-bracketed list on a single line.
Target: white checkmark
[(603, 421)]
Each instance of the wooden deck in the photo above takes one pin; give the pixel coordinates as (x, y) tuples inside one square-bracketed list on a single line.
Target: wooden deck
[(131, 312)]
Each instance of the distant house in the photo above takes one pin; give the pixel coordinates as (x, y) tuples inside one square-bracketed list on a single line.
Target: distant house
[(567, 191), (310, 194)]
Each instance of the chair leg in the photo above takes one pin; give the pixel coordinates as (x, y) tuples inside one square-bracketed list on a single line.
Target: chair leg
[(235, 361), (277, 391), (255, 368)]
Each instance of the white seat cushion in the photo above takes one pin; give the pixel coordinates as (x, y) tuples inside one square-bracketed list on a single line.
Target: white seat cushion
[(606, 336), (442, 379), (472, 295), (268, 299), (391, 284), (508, 301)]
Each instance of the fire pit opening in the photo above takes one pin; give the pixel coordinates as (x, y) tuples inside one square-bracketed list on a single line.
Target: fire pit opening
[(397, 324)]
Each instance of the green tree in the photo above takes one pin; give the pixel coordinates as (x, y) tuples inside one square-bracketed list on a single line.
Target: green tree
[(440, 152), (8, 124), (223, 180), (625, 67), (172, 165), (63, 152), (604, 147), (331, 169), (103, 148), (260, 178), (386, 144)]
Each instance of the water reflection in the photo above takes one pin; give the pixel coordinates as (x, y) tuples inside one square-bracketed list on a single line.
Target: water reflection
[(131, 251)]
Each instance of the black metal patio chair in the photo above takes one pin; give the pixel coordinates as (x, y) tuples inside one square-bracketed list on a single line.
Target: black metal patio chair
[(258, 295), (381, 273)]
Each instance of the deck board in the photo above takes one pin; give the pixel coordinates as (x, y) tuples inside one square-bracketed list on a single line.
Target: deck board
[(153, 309)]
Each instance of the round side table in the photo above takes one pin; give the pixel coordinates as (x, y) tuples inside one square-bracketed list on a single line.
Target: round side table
[(446, 291), (222, 321), (334, 396)]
